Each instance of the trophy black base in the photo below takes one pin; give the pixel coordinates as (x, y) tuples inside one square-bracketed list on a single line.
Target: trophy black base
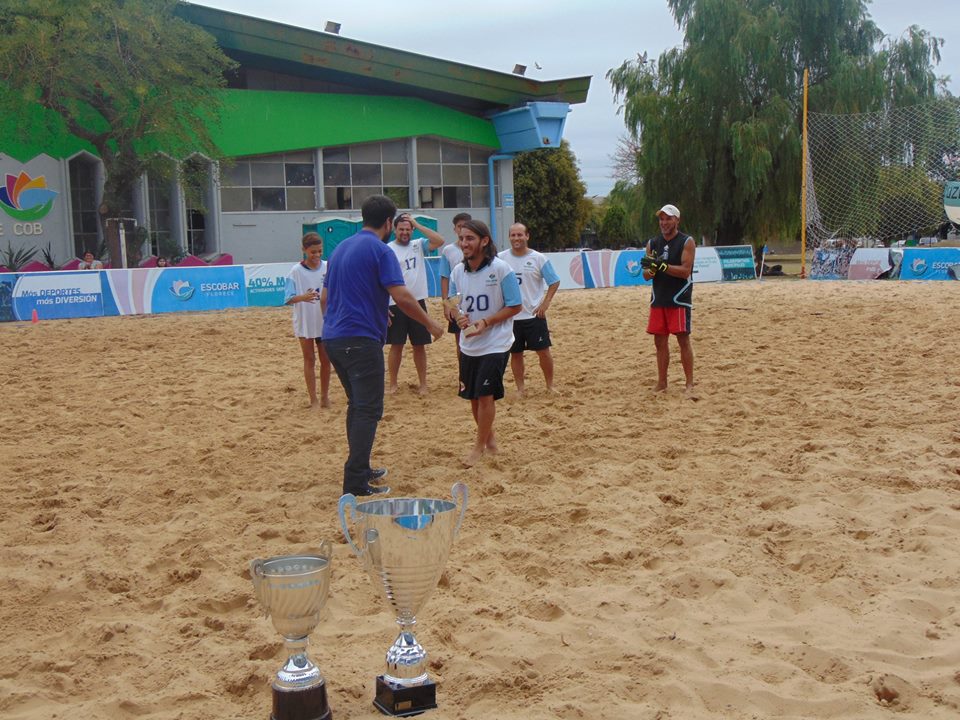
[(401, 701), (309, 704)]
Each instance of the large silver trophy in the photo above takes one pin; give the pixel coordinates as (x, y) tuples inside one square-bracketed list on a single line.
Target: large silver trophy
[(292, 589), (404, 544)]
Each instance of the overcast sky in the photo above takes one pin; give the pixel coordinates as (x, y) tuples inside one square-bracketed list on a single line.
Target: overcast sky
[(567, 38)]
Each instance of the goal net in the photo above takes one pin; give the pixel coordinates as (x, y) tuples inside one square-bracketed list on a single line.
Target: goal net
[(875, 178)]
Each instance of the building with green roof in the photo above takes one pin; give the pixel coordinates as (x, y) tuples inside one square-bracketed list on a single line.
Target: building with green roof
[(313, 124)]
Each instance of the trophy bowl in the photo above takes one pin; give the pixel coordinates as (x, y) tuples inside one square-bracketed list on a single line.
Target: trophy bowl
[(404, 544), (292, 589)]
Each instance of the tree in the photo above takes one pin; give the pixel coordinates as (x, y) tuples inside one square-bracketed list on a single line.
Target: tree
[(550, 198), (127, 76), (718, 120)]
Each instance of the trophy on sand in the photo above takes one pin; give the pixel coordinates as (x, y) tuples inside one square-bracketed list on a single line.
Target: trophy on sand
[(404, 544), (292, 590), (452, 304)]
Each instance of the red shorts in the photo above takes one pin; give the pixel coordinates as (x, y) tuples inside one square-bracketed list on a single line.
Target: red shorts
[(669, 321)]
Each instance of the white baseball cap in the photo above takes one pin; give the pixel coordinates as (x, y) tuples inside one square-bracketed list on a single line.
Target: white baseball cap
[(669, 210)]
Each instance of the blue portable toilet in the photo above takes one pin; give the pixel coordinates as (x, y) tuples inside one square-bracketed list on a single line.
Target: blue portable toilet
[(333, 231)]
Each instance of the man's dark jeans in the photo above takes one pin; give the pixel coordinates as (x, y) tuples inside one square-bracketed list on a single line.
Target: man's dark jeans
[(359, 365)]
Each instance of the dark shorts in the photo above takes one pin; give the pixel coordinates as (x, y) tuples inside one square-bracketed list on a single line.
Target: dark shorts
[(669, 320), (532, 334), (482, 375), (402, 327), (452, 327)]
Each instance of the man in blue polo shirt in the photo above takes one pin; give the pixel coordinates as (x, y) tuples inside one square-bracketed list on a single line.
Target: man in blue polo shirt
[(362, 275)]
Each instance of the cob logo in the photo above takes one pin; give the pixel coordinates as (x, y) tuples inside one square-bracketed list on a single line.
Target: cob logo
[(26, 199)]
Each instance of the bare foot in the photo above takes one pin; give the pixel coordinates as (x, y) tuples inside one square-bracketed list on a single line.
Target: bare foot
[(521, 392), (392, 390), (473, 457), (552, 390), (423, 390), (314, 403), (325, 402), (691, 393), (660, 388), (491, 446)]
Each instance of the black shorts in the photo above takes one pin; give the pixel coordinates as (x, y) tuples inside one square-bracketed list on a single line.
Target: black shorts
[(452, 327), (401, 327), (531, 334), (482, 375)]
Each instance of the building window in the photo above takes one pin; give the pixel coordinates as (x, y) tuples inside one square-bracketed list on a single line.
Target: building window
[(353, 173), (159, 214), (270, 183), (195, 179), (451, 175), (83, 205)]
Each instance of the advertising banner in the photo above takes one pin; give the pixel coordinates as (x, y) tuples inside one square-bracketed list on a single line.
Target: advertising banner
[(736, 262), (195, 288), (706, 265), (569, 267), (627, 270), (951, 201), (57, 295), (930, 264), (869, 263), (265, 283), (598, 267)]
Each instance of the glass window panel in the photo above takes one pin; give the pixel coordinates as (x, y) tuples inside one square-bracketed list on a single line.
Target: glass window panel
[(480, 195), (479, 156), (299, 157), (336, 154), (299, 174), (88, 222), (428, 151), (453, 153), (336, 174), (456, 197), (394, 151), (362, 193), (337, 198), (456, 174), (429, 174), (300, 199), (266, 174), (395, 175), (365, 153), (478, 174), (268, 199), (431, 197), (235, 199), (399, 195), (235, 174), (366, 174)]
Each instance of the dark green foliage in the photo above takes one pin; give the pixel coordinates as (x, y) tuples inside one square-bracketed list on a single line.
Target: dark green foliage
[(719, 120), (549, 197)]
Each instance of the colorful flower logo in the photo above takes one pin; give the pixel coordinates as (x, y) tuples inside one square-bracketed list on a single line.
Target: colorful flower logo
[(25, 198), (181, 290)]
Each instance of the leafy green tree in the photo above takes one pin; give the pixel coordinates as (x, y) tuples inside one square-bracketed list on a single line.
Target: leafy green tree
[(127, 76), (549, 197), (718, 120), (613, 229)]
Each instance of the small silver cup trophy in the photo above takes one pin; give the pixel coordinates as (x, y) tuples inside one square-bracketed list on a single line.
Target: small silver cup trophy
[(404, 544), (292, 589)]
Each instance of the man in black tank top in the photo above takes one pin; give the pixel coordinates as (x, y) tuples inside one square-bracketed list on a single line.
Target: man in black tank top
[(669, 265)]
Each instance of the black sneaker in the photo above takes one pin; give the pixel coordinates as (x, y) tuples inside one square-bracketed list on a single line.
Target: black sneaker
[(377, 475), (371, 490)]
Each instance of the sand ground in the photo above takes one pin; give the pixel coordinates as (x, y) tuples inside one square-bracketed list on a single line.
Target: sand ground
[(786, 546)]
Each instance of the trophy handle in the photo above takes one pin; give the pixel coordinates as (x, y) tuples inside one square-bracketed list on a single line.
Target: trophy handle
[(349, 501), (459, 492), (326, 551), (256, 575)]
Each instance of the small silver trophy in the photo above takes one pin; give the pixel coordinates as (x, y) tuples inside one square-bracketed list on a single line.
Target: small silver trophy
[(452, 304), (292, 589), (404, 544)]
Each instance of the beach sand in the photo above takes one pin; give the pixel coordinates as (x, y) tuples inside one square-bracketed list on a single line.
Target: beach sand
[(785, 546)]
